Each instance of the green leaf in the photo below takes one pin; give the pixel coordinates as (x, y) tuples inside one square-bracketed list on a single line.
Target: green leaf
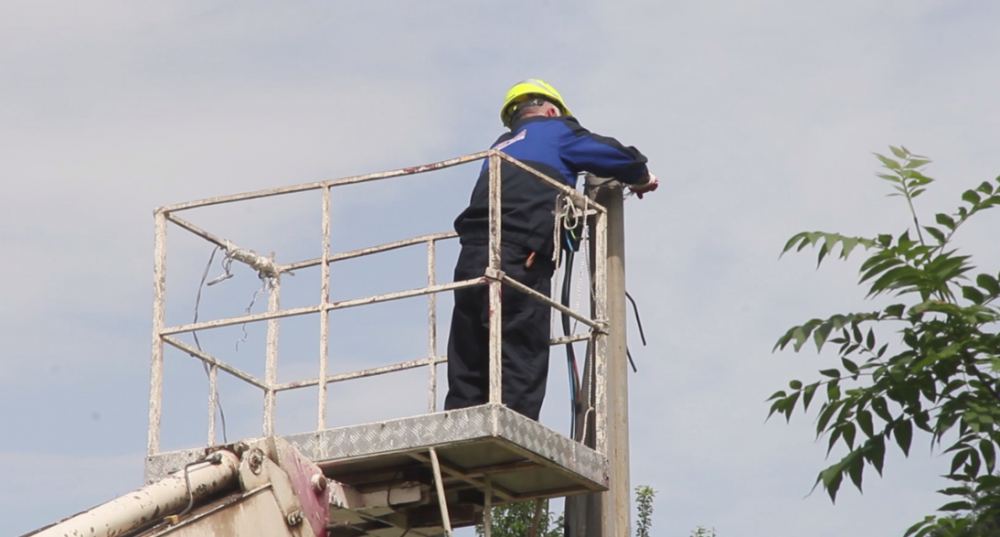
[(833, 373), (850, 366), (800, 335), (855, 468), (802, 238), (875, 452), (945, 221), (985, 188), (847, 245), (827, 412), (795, 385), (971, 197), (936, 233), (833, 391), (820, 335), (972, 294), (865, 421), (895, 310), (870, 340), (925, 524), (790, 405), (903, 431), (775, 407), (956, 506), (837, 431), (989, 283), (777, 395), (959, 459), (889, 163), (849, 432), (879, 268), (831, 478), (974, 462), (897, 151), (956, 491), (807, 395), (882, 409), (989, 454)]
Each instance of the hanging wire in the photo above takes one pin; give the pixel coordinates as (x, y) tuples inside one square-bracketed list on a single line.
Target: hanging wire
[(197, 343), (642, 334), (265, 285)]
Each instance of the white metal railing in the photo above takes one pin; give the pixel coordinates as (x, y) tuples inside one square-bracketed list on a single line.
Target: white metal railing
[(270, 269)]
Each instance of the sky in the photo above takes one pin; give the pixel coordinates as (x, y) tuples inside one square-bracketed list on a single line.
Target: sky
[(760, 118)]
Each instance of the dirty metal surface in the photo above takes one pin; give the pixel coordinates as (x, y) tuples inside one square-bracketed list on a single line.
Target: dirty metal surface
[(524, 458)]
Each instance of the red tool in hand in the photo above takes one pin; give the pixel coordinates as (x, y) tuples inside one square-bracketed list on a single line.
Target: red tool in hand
[(646, 186)]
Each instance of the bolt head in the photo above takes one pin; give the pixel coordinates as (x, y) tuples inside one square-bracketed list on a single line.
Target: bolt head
[(319, 483), (256, 460)]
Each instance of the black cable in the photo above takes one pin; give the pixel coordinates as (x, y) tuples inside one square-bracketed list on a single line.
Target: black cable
[(214, 459), (156, 521), (638, 320), (388, 494), (570, 352), (642, 334)]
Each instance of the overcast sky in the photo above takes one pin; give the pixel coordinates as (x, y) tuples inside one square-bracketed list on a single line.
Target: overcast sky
[(759, 117)]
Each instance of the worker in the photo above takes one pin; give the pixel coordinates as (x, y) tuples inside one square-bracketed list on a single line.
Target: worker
[(544, 135)]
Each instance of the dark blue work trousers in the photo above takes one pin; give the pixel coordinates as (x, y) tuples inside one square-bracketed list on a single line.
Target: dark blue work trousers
[(526, 329)]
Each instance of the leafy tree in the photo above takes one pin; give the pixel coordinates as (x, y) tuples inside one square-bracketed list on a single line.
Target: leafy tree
[(516, 519), (644, 495), (700, 531), (938, 375)]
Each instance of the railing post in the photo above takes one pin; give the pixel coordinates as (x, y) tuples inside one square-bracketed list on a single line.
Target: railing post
[(600, 311), (324, 314), (271, 365), (156, 366), (431, 329), (213, 400), (496, 314)]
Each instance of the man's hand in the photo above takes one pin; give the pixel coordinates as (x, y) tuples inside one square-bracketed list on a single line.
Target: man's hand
[(645, 186)]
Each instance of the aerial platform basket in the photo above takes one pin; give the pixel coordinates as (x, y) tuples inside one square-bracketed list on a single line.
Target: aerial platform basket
[(471, 457)]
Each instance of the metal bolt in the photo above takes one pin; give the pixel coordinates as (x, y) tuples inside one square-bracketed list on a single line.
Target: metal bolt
[(294, 518), (319, 483), (256, 460)]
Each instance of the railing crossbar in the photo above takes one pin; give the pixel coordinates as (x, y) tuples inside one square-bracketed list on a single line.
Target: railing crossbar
[(375, 371)]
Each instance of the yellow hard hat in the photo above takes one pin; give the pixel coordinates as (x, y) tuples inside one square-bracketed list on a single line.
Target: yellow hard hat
[(524, 90)]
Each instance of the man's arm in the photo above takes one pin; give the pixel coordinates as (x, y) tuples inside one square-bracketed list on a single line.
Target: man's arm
[(584, 151)]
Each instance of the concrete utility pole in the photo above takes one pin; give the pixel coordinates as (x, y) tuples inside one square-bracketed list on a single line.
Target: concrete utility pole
[(608, 514)]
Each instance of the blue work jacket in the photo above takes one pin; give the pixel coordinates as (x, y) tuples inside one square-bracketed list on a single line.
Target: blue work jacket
[(558, 147)]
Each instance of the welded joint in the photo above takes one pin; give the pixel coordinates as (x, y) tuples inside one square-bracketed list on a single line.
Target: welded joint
[(494, 274), (265, 266)]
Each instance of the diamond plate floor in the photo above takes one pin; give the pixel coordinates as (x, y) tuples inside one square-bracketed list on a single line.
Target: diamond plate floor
[(524, 459)]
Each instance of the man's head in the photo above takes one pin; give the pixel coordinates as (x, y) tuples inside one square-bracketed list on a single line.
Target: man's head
[(532, 97)]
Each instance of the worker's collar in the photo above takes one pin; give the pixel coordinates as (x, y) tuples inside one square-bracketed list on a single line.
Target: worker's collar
[(532, 119)]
